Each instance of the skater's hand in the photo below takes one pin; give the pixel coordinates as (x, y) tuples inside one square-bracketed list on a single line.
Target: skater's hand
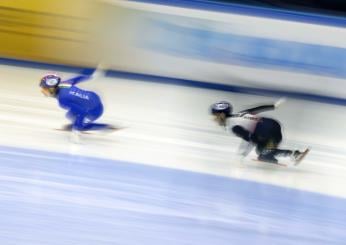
[(99, 71), (102, 66), (279, 102)]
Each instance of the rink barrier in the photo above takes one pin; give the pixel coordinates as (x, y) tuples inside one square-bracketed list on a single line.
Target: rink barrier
[(37, 30), (222, 48), (207, 45), (226, 87), (268, 12), (178, 81)]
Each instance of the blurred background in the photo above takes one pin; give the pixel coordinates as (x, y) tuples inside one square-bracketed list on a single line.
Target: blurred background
[(171, 175)]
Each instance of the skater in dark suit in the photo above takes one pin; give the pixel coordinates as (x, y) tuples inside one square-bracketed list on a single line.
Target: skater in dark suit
[(261, 132)]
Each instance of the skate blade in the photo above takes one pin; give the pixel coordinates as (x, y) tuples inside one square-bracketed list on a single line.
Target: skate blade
[(300, 159)]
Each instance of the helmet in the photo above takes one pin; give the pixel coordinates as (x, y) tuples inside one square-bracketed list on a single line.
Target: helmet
[(50, 81), (221, 107)]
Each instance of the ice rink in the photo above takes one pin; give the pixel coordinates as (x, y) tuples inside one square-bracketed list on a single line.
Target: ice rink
[(169, 176)]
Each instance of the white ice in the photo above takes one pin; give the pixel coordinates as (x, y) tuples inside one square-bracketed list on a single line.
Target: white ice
[(169, 126)]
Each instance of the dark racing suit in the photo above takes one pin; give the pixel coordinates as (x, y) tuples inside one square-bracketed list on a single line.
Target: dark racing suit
[(264, 133)]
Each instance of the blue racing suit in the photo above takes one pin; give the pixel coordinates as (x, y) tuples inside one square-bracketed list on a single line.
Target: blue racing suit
[(83, 106)]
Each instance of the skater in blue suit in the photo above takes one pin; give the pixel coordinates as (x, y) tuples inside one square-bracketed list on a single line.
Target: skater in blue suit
[(83, 107)]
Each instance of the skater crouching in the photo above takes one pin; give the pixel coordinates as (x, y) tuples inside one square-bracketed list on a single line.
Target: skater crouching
[(261, 132), (83, 107)]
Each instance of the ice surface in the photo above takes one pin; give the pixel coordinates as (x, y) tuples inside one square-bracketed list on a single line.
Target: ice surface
[(169, 126), (66, 194)]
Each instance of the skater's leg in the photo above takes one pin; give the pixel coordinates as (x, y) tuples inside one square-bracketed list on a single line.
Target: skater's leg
[(82, 123), (282, 153), (95, 126), (85, 122), (267, 136), (79, 122), (267, 150), (71, 115), (76, 115), (294, 155), (270, 155), (92, 116), (266, 155)]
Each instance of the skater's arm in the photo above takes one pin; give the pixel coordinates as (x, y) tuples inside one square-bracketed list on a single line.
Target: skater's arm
[(258, 109), (262, 108), (77, 79), (88, 74)]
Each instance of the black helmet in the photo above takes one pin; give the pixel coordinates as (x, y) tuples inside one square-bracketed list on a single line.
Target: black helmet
[(50, 81), (222, 107)]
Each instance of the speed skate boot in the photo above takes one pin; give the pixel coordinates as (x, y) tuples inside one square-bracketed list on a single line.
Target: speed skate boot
[(296, 156)]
